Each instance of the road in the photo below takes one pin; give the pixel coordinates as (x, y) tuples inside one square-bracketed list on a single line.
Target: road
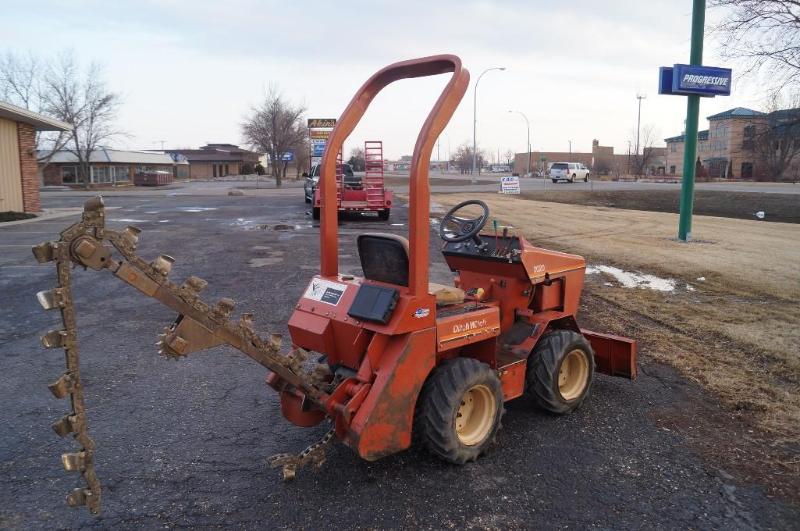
[(184, 443)]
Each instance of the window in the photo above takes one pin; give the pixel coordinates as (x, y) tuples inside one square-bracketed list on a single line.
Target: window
[(673, 147), (100, 174), (69, 174), (749, 131), (672, 170), (121, 173)]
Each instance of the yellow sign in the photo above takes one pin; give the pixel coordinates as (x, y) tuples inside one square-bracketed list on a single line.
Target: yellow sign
[(321, 123)]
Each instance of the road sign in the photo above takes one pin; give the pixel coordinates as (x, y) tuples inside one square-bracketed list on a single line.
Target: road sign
[(317, 150), (288, 156), (321, 123), (319, 133), (509, 184), (322, 141), (685, 80)]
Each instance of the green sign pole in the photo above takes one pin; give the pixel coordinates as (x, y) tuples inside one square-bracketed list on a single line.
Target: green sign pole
[(692, 114)]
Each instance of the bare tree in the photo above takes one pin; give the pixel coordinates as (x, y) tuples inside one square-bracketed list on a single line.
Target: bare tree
[(81, 98), (462, 158), (765, 34), (23, 83), (509, 155), (302, 156), (356, 160), (642, 161), (775, 139), (276, 127)]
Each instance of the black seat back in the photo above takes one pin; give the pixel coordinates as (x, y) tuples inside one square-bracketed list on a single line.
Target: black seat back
[(384, 257)]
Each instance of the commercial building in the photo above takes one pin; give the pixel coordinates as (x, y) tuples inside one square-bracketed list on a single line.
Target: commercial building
[(601, 160), (218, 160), (19, 181), (109, 167), (736, 144)]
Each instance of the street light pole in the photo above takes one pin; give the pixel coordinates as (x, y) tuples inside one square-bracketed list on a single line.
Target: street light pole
[(570, 146), (475, 121), (639, 97), (529, 139)]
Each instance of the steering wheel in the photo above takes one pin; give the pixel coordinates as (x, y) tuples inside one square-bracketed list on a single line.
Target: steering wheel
[(457, 229)]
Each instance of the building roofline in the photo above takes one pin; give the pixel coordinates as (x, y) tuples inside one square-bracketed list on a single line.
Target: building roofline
[(39, 121)]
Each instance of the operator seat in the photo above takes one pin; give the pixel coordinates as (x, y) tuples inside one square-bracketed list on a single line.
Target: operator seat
[(384, 258)]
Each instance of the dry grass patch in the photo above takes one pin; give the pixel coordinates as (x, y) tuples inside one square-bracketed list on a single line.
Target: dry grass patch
[(736, 333)]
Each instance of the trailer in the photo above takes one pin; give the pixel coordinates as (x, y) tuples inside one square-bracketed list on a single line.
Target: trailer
[(368, 194)]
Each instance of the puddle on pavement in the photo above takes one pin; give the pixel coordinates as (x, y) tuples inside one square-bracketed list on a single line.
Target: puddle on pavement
[(164, 220), (129, 220), (277, 227), (632, 279), (272, 258), (197, 209)]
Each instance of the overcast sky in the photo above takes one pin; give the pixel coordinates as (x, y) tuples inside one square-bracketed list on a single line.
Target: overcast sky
[(189, 71)]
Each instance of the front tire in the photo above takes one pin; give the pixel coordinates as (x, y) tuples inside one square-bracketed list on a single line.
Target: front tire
[(586, 179), (560, 371), (572, 180), (383, 214), (459, 410), (554, 181), (315, 213)]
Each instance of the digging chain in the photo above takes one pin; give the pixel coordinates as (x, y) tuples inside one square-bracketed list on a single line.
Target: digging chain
[(198, 326), (314, 453)]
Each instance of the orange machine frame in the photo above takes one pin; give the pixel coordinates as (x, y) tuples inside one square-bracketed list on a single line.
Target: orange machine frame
[(387, 364)]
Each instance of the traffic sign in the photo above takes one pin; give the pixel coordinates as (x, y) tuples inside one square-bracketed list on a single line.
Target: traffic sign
[(317, 150), (288, 156)]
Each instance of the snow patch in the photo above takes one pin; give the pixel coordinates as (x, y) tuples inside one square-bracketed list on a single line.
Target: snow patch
[(631, 279), (129, 220)]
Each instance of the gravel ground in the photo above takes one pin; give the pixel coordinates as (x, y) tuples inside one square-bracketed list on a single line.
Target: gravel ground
[(184, 443)]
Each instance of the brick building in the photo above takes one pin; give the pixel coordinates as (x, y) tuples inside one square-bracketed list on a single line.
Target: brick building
[(109, 166), (727, 149), (602, 160), (19, 180), (218, 160)]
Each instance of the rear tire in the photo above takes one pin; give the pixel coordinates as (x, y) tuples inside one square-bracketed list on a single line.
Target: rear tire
[(383, 214), (560, 371), (572, 180), (459, 410), (554, 181), (315, 212), (586, 179)]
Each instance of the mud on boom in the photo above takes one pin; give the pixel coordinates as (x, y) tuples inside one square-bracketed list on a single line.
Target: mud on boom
[(398, 354)]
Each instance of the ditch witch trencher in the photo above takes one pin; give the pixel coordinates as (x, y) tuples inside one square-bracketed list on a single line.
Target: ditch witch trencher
[(392, 354)]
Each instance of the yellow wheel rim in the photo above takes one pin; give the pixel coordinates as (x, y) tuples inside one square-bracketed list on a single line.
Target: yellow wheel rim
[(573, 375), (475, 415)]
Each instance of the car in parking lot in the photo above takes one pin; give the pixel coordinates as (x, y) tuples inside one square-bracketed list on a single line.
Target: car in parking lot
[(351, 180), (569, 171)]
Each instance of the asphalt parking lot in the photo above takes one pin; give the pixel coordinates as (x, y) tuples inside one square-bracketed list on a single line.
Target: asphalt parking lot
[(184, 443)]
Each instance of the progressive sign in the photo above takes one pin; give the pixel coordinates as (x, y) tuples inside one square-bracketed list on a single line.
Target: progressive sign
[(683, 80)]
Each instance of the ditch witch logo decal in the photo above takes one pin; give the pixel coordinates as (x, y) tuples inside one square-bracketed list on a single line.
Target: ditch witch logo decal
[(466, 326)]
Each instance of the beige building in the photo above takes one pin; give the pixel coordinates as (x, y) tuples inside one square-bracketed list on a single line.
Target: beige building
[(19, 180), (727, 149)]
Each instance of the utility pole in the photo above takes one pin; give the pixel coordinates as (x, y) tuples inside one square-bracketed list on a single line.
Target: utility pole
[(528, 123), (639, 97), (692, 113), (475, 121)]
